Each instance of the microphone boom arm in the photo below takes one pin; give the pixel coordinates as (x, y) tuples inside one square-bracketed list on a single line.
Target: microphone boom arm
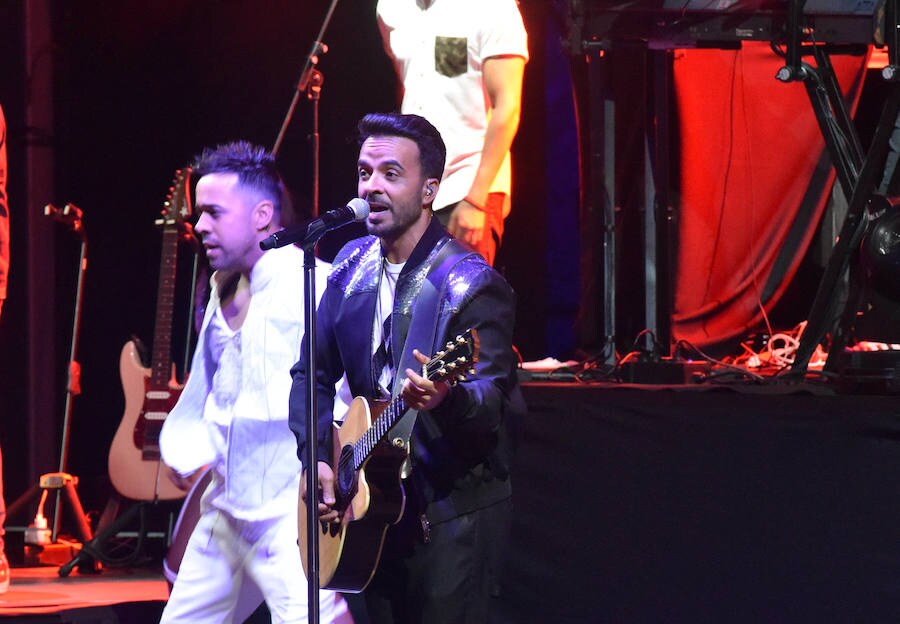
[(309, 233)]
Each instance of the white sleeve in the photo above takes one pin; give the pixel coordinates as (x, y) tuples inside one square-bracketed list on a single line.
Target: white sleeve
[(502, 31)]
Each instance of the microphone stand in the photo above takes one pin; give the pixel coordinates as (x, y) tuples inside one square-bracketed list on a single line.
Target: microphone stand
[(311, 461), (71, 216), (315, 92), (310, 81), (64, 483)]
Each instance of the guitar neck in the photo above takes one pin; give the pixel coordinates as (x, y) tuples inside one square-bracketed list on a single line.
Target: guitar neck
[(449, 365), (379, 429), (160, 367)]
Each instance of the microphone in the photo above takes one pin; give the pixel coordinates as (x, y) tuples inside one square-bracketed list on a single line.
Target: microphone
[(356, 209)]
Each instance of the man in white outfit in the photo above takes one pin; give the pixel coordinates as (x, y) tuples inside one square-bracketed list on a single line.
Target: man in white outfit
[(232, 414), (461, 64)]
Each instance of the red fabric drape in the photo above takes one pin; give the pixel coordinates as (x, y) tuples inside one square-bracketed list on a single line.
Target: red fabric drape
[(750, 146)]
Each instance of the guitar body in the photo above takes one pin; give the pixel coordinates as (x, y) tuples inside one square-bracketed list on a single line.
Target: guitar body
[(135, 467), (368, 466), (349, 552), (184, 526)]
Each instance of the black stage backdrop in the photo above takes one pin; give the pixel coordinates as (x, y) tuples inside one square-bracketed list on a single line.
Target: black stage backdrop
[(138, 89), (705, 505), (632, 505)]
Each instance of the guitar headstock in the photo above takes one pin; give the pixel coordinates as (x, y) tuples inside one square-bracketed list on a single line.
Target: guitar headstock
[(455, 360), (177, 207)]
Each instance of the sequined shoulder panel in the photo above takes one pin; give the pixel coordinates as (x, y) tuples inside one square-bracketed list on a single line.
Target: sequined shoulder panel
[(359, 268), (463, 280)]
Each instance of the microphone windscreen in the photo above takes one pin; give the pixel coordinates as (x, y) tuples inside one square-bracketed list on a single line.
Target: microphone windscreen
[(360, 208)]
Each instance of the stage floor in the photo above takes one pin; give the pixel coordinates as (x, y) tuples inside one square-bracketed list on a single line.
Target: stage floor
[(41, 591), (646, 504)]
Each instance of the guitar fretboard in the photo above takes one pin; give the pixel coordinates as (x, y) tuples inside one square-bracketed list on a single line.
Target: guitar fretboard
[(379, 429), (160, 363), (447, 365)]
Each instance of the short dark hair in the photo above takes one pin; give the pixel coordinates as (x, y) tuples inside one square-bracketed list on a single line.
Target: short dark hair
[(255, 168), (432, 151)]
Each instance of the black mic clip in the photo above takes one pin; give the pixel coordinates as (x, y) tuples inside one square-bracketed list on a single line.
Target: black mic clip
[(69, 215), (309, 233)]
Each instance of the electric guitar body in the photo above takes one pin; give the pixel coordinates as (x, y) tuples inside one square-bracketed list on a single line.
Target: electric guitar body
[(135, 466)]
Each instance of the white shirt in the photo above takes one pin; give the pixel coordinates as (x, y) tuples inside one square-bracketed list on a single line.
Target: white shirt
[(384, 307), (439, 55), (233, 410)]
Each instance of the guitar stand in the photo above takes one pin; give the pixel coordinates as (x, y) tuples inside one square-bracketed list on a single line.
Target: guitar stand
[(64, 484), (93, 554), (39, 544)]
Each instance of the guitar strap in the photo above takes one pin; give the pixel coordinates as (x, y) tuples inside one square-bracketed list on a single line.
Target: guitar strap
[(423, 325)]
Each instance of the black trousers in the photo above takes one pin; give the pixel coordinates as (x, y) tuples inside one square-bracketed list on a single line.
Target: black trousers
[(451, 578)]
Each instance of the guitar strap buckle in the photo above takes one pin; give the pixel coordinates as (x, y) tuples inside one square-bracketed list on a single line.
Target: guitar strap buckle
[(426, 528), (406, 468)]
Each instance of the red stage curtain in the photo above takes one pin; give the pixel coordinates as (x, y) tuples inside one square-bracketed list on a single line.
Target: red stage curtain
[(754, 182)]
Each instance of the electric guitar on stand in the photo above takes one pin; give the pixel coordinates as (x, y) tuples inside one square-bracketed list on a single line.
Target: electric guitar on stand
[(368, 484), (135, 465)]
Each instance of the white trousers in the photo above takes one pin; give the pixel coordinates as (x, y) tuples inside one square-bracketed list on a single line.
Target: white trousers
[(230, 567)]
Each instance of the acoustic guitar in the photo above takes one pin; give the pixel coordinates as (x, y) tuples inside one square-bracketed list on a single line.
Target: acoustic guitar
[(368, 473), (135, 465), (185, 524)]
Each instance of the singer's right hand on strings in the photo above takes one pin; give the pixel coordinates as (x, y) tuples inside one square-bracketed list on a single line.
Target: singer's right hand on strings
[(326, 499)]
